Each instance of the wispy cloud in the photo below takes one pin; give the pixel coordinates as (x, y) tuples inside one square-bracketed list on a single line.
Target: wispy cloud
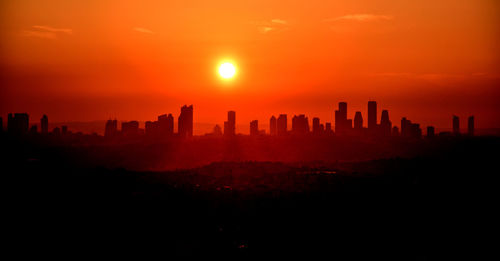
[(272, 25), (46, 32), (361, 18), (143, 30), (53, 29), (279, 21)]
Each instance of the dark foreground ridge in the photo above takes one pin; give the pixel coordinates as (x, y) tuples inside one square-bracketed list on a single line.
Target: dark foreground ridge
[(431, 206)]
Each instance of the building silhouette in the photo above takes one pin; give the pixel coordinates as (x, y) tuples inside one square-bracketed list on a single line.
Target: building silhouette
[(300, 124), (372, 116), (273, 126), (316, 126), (430, 132), (217, 130), (1, 124), (470, 126), (44, 124), (456, 125), (254, 128), (18, 123), (130, 128), (185, 121), (166, 125), (385, 124), (342, 124), (64, 130), (33, 130), (395, 131), (230, 124), (328, 128), (282, 125), (151, 128), (56, 131), (358, 121), (111, 128), (409, 129)]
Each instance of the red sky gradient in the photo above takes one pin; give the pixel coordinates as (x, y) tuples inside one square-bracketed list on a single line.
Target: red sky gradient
[(96, 59)]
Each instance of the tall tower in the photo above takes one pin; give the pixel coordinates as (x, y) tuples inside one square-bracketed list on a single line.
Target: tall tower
[(230, 124), (358, 120), (372, 115), (44, 124), (282, 125), (254, 128), (273, 127), (456, 125), (185, 121), (470, 126)]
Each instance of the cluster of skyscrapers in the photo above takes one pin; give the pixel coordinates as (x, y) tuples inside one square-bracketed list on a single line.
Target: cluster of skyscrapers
[(164, 125)]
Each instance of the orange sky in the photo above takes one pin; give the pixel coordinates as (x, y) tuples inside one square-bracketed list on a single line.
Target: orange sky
[(96, 59)]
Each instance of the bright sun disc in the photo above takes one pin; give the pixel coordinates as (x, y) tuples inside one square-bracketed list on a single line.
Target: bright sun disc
[(227, 70)]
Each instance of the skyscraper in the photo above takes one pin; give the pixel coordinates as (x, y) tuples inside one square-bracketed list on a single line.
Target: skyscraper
[(430, 132), (44, 124), (273, 128), (230, 124), (282, 125), (456, 125), (470, 126), (254, 128), (342, 124), (111, 128), (185, 121), (166, 124), (18, 123), (300, 124), (316, 126), (130, 128), (358, 121), (385, 124), (372, 116)]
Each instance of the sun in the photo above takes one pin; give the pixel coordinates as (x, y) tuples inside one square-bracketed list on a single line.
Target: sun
[(227, 70)]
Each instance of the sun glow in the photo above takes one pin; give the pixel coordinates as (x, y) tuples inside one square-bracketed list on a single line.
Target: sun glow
[(227, 70)]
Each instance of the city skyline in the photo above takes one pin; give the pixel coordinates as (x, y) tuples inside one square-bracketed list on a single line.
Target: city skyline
[(278, 126)]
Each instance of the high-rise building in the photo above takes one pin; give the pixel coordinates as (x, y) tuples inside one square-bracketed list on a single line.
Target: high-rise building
[(372, 115), (166, 124), (395, 131), (130, 128), (409, 129), (456, 125), (385, 124), (33, 129), (230, 124), (328, 128), (282, 125), (358, 121), (217, 130), (44, 124), (430, 132), (273, 127), (64, 130), (470, 126), (254, 128), (342, 124), (185, 121), (316, 126), (300, 124), (18, 123), (111, 128)]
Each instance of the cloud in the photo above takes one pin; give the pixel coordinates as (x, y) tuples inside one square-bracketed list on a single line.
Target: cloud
[(46, 32), (272, 25), (52, 29), (361, 18), (142, 30), (279, 21)]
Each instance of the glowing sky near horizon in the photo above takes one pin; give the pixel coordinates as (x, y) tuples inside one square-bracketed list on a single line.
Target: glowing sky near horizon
[(96, 59)]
